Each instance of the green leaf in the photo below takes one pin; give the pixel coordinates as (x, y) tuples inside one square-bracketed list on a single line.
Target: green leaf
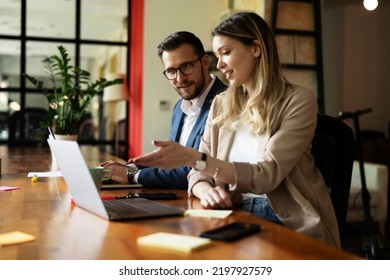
[(70, 92)]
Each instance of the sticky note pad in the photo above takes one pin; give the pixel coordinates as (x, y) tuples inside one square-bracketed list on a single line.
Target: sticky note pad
[(6, 188), (219, 214), (15, 237), (172, 241)]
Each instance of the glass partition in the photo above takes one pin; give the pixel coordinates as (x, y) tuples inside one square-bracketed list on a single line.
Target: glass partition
[(97, 42), (48, 18), (10, 12), (37, 51), (114, 25), (9, 64)]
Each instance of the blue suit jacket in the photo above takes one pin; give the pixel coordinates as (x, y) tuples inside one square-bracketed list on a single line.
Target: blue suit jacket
[(177, 178)]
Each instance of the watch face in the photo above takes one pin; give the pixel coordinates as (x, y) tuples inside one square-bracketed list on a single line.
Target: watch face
[(132, 169), (200, 165)]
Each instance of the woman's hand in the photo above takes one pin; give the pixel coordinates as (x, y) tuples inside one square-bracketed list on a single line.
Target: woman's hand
[(168, 155), (215, 198), (119, 171)]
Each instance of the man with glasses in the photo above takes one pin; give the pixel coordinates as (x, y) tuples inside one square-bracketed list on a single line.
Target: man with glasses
[(186, 66)]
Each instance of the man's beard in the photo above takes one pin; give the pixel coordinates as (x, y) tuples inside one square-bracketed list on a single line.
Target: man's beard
[(194, 94)]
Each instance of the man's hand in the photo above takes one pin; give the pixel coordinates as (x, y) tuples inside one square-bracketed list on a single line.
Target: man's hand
[(168, 155), (119, 171)]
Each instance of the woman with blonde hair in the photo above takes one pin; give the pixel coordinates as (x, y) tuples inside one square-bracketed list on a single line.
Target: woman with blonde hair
[(256, 149)]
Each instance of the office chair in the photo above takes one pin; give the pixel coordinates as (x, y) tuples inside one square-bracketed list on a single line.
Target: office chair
[(120, 137), (87, 129), (24, 128), (333, 148)]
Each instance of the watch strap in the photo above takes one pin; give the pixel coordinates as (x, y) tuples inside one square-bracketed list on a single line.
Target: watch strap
[(131, 172), (130, 178)]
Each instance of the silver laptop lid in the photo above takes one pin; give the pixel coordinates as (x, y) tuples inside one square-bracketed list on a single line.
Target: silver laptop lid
[(77, 177)]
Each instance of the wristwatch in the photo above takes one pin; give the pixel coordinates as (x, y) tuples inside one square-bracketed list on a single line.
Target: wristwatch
[(132, 169), (201, 164)]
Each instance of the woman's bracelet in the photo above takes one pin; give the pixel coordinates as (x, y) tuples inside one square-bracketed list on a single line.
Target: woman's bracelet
[(216, 173)]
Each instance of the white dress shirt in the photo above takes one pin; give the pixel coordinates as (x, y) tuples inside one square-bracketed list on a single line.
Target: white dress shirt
[(191, 109)]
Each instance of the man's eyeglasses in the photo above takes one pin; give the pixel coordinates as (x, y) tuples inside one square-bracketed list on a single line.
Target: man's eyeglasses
[(186, 68)]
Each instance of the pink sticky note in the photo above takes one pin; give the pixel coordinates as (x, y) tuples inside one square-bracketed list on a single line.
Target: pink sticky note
[(6, 188)]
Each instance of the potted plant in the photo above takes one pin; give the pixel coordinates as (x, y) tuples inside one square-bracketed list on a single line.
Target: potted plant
[(70, 94)]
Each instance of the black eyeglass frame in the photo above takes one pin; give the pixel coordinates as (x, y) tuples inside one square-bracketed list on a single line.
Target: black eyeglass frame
[(180, 68)]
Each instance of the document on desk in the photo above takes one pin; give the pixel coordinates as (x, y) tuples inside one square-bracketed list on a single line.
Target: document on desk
[(208, 213), (45, 174)]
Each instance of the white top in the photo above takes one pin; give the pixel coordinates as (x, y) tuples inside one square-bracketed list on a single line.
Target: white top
[(245, 149)]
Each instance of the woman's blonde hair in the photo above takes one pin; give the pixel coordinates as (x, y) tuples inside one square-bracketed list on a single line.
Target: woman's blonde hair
[(261, 107)]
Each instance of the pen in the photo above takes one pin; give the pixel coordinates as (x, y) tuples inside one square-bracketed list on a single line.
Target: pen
[(153, 196), (113, 197)]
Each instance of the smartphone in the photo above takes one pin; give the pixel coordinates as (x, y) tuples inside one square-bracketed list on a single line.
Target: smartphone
[(231, 231)]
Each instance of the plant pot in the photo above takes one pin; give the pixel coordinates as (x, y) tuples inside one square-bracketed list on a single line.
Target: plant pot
[(69, 137)]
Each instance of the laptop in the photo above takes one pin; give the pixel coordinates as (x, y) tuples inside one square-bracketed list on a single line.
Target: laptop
[(85, 194), (107, 185)]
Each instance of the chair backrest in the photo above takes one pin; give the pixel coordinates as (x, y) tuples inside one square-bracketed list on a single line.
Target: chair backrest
[(120, 139), (86, 130), (333, 148), (24, 128)]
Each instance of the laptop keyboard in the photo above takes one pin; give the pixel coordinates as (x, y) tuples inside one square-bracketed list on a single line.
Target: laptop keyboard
[(122, 207)]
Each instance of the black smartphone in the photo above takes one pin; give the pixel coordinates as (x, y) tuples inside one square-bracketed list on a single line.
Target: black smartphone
[(231, 231)]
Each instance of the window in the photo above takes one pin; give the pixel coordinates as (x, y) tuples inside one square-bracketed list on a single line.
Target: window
[(95, 34)]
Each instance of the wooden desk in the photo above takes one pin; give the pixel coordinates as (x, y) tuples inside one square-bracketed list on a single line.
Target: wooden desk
[(64, 232)]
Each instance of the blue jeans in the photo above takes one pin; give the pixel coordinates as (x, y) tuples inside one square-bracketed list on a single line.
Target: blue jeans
[(261, 207)]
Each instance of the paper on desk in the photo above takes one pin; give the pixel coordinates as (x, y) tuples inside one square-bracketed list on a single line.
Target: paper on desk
[(219, 214), (45, 174), (15, 237), (173, 241)]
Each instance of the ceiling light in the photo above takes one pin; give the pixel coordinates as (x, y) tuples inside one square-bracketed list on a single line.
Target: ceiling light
[(370, 5)]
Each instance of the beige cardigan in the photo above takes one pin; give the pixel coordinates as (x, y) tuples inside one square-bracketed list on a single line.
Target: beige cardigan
[(285, 170)]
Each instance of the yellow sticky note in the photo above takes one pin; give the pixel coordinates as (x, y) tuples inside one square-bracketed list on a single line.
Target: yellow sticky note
[(172, 241), (219, 214), (15, 237)]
